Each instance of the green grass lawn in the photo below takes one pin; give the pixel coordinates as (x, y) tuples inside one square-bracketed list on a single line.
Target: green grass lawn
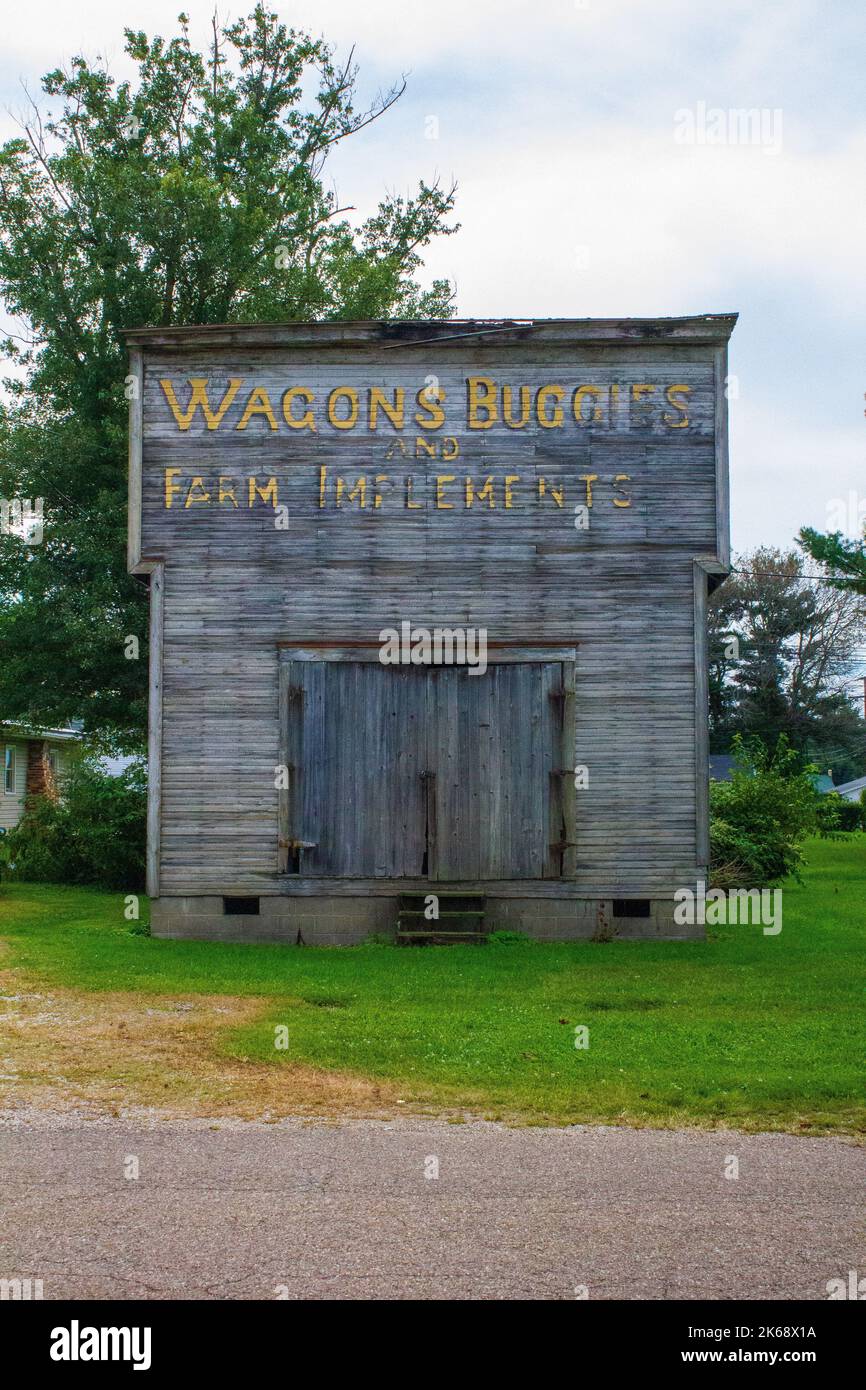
[(752, 1031)]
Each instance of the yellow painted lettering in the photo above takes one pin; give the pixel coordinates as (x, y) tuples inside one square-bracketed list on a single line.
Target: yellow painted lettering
[(580, 395), (642, 406), (198, 397), (670, 394), (624, 500), (525, 407), (171, 487), (483, 494), (268, 493), (547, 489), (480, 395), (441, 480), (227, 493), (431, 404), (589, 479), (259, 403), (545, 393), (191, 499), (307, 421), (359, 491), (395, 410), (343, 393), (450, 449)]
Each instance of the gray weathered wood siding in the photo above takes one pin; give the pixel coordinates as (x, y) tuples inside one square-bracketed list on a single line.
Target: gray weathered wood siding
[(413, 771), (237, 586)]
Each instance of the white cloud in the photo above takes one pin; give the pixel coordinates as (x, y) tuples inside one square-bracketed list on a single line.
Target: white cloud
[(599, 221), (785, 475), (575, 198)]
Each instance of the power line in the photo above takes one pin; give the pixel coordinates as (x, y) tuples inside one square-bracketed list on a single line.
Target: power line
[(789, 578)]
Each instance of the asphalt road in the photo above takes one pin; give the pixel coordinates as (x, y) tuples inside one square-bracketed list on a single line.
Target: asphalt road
[(345, 1210)]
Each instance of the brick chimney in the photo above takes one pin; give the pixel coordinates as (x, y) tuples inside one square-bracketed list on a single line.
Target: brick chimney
[(40, 781)]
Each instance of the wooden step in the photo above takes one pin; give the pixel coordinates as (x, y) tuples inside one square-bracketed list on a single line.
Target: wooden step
[(443, 916), (453, 902), (460, 921), (441, 938)]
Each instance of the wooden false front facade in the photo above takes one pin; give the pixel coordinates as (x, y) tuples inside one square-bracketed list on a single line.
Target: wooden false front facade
[(549, 495)]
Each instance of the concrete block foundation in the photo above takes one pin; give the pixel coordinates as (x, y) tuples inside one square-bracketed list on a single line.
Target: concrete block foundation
[(348, 921)]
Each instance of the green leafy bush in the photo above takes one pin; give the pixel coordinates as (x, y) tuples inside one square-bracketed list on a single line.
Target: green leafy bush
[(759, 818), (835, 814), (95, 834)]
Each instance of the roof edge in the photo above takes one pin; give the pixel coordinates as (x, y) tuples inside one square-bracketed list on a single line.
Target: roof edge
[(13, 728), (395, 333)]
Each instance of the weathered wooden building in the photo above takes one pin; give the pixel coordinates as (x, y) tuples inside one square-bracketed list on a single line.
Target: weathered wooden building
[(428, 617)]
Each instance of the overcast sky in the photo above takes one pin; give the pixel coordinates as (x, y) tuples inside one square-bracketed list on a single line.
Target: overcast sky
[(598, 177)]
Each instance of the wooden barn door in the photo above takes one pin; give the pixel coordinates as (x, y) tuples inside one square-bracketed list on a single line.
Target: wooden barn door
[(355, 751), (425, 772), (493, 754)]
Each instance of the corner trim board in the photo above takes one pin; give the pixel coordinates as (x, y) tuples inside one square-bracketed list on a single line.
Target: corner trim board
[(704, 566), (136, 408), (723, 519), (154, 729)]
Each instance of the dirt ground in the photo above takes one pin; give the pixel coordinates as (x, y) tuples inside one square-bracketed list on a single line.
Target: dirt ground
[(115, 1051)]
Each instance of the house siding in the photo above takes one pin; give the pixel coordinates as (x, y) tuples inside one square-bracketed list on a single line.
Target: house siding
[(12, 804)]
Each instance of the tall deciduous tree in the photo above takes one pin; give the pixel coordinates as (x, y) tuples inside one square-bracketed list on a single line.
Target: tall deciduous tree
[(781, 651), (193, 195)]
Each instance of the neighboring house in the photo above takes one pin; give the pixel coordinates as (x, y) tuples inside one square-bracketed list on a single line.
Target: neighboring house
[(722, 766), (851, 790), (32, 763), (823, 782)]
